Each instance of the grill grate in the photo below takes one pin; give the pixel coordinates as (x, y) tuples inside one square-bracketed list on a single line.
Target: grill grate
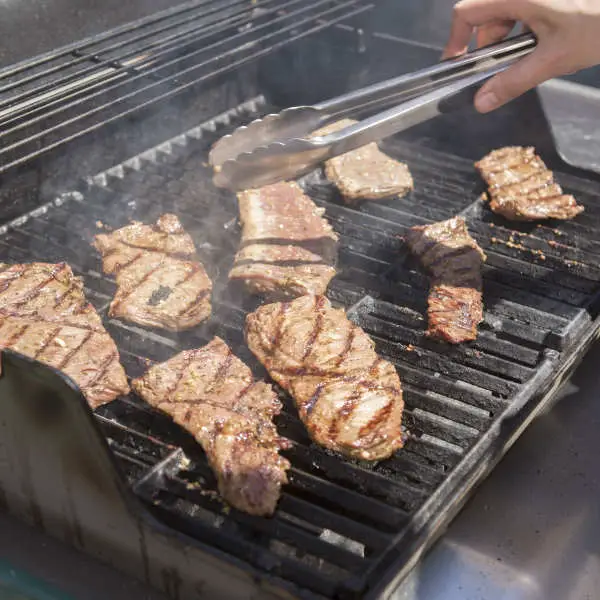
[(58, 97), (338, 520)]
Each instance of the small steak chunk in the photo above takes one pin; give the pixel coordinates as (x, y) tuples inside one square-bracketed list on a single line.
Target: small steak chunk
[(287, 247), (366, 173), (521, 188), (44, 315), (454, 260), (349, 399), (160, 283), (211, 393)]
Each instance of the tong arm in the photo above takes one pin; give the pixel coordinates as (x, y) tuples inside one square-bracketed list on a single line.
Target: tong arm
[(397, 88), (297, 156)]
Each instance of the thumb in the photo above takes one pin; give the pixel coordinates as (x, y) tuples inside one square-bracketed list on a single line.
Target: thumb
[(526, 74)]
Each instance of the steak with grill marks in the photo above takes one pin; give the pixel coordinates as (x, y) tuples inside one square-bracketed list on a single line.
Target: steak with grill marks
[(287, 247), (454, 260), (349, 399), (44, 315), (211, 393), (366, 173), (522, 188), (160, 282)]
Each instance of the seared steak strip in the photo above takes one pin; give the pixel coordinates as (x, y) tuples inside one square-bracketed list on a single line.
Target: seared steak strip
[(211, 393), (454, 260), (349, 399), (522, 188), (44, 315), (287, 247), (366, 173), (160, 283)]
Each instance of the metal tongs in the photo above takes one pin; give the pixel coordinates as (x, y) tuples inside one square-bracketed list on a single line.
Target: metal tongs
[(278, 147)]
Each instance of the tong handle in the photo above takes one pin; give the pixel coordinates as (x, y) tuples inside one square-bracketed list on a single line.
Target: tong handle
[(447, 98), (413, 83)]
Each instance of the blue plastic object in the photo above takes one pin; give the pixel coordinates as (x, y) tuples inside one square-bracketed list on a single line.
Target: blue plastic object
[(20, 585)]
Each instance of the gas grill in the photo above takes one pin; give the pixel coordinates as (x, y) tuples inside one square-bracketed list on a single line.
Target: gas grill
[(343, 529)]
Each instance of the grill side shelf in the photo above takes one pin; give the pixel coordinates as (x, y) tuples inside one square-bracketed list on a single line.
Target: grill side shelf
[(431, 520)]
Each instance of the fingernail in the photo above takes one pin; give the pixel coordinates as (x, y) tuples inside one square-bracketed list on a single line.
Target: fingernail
[(486, 102)]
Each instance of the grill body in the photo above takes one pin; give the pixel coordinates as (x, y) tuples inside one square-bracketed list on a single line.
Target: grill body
[(130, 487)]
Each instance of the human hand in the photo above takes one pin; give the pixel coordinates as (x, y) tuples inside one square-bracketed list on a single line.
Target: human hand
[(568, 33)]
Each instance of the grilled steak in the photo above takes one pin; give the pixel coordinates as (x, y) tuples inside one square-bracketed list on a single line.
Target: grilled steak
[(211, 393), (160, 283), (349, 399), (44, 315), (521, 188), (287, 247), (366, 173), (454, 260)]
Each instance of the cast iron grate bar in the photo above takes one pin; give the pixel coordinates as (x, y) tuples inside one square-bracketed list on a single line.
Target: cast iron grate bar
[(101, 54), (338, 520), (100, 84)]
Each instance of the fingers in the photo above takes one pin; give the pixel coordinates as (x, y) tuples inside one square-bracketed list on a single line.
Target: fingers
[(461, 32), (469, 14), (493, 32), (526, 74)]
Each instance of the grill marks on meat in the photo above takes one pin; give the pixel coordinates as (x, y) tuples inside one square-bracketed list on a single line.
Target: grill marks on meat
[(159, 282), (211, 393), (366, 173), (287, 248), (349, 399), (522, 188), (454, 260), (44, 315)]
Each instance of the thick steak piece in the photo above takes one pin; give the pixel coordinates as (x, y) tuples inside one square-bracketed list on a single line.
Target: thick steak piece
[(522, 188), (454, 259), (160, 282), (349, 399), (211, 393), (287, 247), (44, 315), (366, 173)]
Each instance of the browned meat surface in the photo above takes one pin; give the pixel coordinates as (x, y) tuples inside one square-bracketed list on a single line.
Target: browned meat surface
[(349, 399), (521, 188), (44, 315), (211, 393), (454, 260), (287, 247), (366, 173), (160, 283)]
